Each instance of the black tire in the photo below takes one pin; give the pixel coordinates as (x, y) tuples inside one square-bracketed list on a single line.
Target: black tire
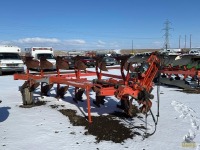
[(177, 78)]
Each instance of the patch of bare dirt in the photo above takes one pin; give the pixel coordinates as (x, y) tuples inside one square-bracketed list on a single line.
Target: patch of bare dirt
[(38, 103), (56, 106), (190, 91), (106, 128)]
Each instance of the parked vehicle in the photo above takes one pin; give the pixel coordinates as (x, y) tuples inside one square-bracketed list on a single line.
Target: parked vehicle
[(10, 60), (39, 52), (110, 61), (70, 61), (88, 61)]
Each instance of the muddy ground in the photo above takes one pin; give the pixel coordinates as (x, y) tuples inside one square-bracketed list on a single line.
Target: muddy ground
[(107, 128), (190, 91)]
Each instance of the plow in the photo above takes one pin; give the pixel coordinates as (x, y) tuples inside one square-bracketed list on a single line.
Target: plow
[(181, 71), (136, 80)]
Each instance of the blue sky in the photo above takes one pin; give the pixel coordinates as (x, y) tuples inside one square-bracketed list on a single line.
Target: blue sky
[(98, 24)]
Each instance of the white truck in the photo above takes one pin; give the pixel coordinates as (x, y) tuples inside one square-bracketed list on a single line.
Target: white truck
[(38, 52), (10, 60)]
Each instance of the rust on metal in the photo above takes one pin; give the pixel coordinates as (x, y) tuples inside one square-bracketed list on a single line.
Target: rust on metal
[(31, 63), (62, 63), (45, 64)]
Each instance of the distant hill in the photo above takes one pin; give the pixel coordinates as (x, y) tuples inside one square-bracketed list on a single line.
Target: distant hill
[(129, 51)]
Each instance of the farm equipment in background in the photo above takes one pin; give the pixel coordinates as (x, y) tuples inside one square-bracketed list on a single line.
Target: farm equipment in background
[(181, 71)]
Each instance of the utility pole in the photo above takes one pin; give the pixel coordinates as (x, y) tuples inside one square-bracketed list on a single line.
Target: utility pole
[(167, 34), (132, 47), (190, 41), (185, 41)]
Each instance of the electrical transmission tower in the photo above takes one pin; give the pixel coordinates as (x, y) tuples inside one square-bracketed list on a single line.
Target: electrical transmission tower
[(167, 34)]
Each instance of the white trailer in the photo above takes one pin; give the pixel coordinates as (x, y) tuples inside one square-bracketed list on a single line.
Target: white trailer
[(38, 52), (10, 61), (172, 51), (194, 52)]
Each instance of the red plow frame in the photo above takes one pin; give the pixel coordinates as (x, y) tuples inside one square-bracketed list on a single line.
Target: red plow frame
[(138, 86)]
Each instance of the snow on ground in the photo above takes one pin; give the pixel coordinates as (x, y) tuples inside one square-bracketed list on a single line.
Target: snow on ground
[(45, 128)]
